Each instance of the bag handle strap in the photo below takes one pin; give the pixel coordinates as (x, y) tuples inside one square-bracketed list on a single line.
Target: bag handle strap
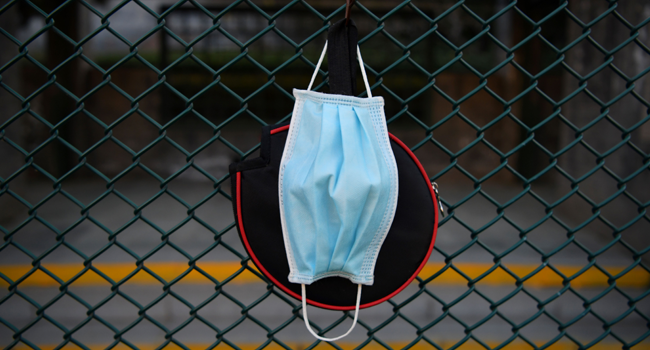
[(342, 41), (341, 53), (363, 70)]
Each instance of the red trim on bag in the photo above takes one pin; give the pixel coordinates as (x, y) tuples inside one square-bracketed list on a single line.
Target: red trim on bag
[(332, 307), (280, 129)]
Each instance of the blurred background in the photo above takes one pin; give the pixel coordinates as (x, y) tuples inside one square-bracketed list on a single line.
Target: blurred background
[(118, 120)]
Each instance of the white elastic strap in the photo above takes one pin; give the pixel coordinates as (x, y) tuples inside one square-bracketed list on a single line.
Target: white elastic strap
[(304, 313), (363, 69), (363, 72), (320, 61)]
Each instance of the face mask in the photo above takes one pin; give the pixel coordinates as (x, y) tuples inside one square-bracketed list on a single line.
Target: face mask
[(338, 187)]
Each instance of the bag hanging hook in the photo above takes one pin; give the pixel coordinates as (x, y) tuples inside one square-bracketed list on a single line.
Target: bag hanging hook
[(348, 9)]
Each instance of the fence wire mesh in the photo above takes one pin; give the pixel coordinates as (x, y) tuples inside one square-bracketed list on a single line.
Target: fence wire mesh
[(584, 87)]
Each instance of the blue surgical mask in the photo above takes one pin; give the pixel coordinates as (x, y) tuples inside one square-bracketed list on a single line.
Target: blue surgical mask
[(338, 187)]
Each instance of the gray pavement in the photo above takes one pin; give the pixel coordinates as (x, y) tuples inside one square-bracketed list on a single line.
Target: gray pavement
[(273, 312), (166, 213)]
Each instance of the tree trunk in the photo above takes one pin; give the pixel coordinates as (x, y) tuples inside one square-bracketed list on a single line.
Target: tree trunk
[(58, 104), (10, 159), (581, 110)]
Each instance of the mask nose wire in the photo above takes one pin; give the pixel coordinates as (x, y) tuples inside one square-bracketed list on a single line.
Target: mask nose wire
[(361, 65), (304, 312)]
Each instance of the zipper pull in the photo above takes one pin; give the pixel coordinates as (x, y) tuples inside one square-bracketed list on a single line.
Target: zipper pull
[(435, 189)]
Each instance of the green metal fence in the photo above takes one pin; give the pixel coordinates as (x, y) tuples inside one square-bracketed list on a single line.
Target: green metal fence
[(600, 62)]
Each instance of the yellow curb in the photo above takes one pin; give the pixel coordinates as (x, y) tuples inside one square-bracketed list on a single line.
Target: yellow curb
[(635, 278), (422, 345)]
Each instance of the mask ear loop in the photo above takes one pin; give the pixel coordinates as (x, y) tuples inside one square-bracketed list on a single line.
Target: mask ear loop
[(304, 313), (320, 61), (361, 65), (363, 72)]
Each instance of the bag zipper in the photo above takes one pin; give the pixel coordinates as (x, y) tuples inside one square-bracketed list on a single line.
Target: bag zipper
[(435, 189)]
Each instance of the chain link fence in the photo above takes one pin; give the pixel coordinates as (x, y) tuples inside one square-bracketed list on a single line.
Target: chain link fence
[(532, 116)]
